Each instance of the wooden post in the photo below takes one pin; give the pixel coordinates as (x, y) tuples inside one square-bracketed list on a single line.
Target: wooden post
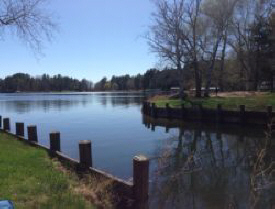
[(0, 121), (154, 113), (269, 114), (242, 114), (182, 111), (149, 109), (141, 178), (167, 129), (55, 141), (19, 129), (85, 153), (6, 123), (168, 110), (199, 111), (144, 108), (32, 133), (219, 113)]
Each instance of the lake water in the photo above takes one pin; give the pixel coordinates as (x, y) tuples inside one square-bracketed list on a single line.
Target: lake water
[(191, 165)]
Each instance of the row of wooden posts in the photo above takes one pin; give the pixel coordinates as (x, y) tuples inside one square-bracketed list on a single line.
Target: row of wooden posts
[(140, 163), (152, 110)]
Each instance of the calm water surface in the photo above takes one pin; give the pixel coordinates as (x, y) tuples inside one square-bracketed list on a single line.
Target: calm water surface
[(191, 166)]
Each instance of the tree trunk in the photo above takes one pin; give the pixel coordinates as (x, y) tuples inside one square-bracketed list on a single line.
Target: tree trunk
[(271, 82), (256, 76), (242, 71), (210, 69), (181, 81), (197, 79), (222, 63)]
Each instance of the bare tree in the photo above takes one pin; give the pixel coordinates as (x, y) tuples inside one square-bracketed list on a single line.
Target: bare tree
[(165, 37), (28, 20), (218, 13), (194, 36), (175, 36)]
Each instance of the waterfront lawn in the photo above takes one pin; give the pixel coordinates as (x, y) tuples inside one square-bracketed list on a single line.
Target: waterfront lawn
[(253, 102), (30, 179)]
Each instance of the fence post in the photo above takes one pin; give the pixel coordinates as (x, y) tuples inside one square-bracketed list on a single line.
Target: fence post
[(32, 133), (144, 107), (6, 123), (269, 114), (154, 113), (0, 121), (168, 110), (182, 111), (55, 141), (19, 129), (219, 113), (198, 112), (141, 178), (148, 109), (85, 154), (242, 114)]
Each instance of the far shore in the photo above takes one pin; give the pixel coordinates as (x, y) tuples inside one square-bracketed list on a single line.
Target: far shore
[(257, 101)]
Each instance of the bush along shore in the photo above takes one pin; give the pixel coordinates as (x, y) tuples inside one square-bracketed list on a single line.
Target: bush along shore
[(35, 176)]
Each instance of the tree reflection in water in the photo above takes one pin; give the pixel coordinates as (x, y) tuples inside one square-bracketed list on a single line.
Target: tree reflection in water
[(208, 168)]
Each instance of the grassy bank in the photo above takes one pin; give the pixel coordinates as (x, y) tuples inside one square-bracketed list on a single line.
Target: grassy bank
[(229, 101), (30, 179)]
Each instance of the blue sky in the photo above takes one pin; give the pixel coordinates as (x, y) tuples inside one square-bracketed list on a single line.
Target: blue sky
[(96, 38)]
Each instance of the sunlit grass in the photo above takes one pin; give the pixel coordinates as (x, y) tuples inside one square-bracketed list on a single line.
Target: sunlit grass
[(257, 102), (30, 179)]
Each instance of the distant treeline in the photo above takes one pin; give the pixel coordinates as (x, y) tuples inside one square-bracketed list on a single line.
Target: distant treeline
[(152, 79), (25, 83), (166, 78)]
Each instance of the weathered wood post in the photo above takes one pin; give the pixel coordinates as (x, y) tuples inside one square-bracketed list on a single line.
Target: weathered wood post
[(242, 114), (219, 113), (269, 114), (144, 108), (55, 141), (198, 112), (6, 123), (149, 109), (154, 111), (168, 110), (19, 129), (32, 133), (182, 111), (0, 121), (85, 154), (141, 178)]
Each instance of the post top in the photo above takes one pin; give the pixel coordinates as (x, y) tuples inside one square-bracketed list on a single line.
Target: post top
[(141, 158), (19, 123), (32, 126), (55, 132), (85, 142)]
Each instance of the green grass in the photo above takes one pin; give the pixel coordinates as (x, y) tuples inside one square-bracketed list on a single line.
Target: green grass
[(253, 103), (30, 179)]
